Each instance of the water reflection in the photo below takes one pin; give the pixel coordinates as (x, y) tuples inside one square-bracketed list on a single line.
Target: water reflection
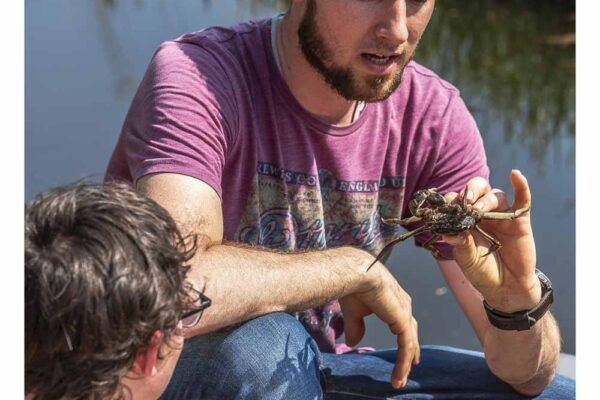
[(514, 62), (116, 55)]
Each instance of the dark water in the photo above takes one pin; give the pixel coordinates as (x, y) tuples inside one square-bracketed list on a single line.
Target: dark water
[(514, 62)]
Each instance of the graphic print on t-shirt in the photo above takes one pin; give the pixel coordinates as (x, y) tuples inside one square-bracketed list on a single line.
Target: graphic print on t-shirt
[(292, 210)]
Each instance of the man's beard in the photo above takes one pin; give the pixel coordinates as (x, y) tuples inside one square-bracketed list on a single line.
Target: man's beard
[(342, 80)]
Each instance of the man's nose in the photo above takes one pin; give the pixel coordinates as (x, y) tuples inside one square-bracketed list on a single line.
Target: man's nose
[(393, 25)]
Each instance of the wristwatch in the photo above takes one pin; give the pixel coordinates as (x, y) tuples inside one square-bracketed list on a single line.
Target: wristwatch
[(523, 320)]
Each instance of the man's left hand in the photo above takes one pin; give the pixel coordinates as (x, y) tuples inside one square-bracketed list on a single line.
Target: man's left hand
[(506, 278)]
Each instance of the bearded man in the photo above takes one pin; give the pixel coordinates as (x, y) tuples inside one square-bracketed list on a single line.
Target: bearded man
[(283, 143)]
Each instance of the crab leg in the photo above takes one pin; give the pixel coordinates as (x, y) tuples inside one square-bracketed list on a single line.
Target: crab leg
[(495, 243), (505, 215), (388, 247), (429, 246), (398, 221), (464, 197)]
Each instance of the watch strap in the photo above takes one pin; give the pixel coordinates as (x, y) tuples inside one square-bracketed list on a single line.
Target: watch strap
[(523, 320)]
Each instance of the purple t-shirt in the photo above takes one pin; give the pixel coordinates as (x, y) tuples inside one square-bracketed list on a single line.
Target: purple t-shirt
[(214, 106)]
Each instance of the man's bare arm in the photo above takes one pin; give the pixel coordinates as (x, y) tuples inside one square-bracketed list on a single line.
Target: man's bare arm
[(246, 282), (526, 360)]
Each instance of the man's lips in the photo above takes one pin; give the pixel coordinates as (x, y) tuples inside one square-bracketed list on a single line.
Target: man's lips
[(381, 58), (382, 53), (380, 63)]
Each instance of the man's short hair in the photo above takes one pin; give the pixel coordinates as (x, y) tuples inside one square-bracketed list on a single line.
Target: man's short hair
[(104, 270)]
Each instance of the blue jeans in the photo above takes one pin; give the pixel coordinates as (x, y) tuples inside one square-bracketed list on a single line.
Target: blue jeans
[(273, 357)]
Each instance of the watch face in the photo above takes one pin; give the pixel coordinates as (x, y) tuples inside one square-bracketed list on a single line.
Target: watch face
[(544, 279)]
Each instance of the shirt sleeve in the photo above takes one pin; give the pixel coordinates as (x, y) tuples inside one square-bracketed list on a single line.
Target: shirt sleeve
[(183, 117), (459, 157)]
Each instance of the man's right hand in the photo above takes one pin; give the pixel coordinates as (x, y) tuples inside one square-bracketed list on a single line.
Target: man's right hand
[(386, 299)]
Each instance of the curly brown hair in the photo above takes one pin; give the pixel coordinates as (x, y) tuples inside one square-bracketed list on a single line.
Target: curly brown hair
[(104, 270)]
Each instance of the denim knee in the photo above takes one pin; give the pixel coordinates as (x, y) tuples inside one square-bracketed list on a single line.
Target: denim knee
[(270, 357)]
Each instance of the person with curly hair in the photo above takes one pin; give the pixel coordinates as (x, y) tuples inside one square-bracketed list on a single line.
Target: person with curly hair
[(106, 300)]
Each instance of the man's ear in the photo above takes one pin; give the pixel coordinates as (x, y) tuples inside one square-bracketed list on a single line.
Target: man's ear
[(145, 362)]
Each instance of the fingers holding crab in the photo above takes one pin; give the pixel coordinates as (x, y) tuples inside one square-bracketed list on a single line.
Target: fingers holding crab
[(482, 196), (456, 215), (487, 198)]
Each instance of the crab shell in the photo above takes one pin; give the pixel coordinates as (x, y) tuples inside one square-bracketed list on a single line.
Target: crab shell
[(452, 224)]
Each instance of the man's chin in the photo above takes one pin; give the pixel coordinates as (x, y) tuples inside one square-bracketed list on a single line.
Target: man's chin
[(374, 89), (361, 86)]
